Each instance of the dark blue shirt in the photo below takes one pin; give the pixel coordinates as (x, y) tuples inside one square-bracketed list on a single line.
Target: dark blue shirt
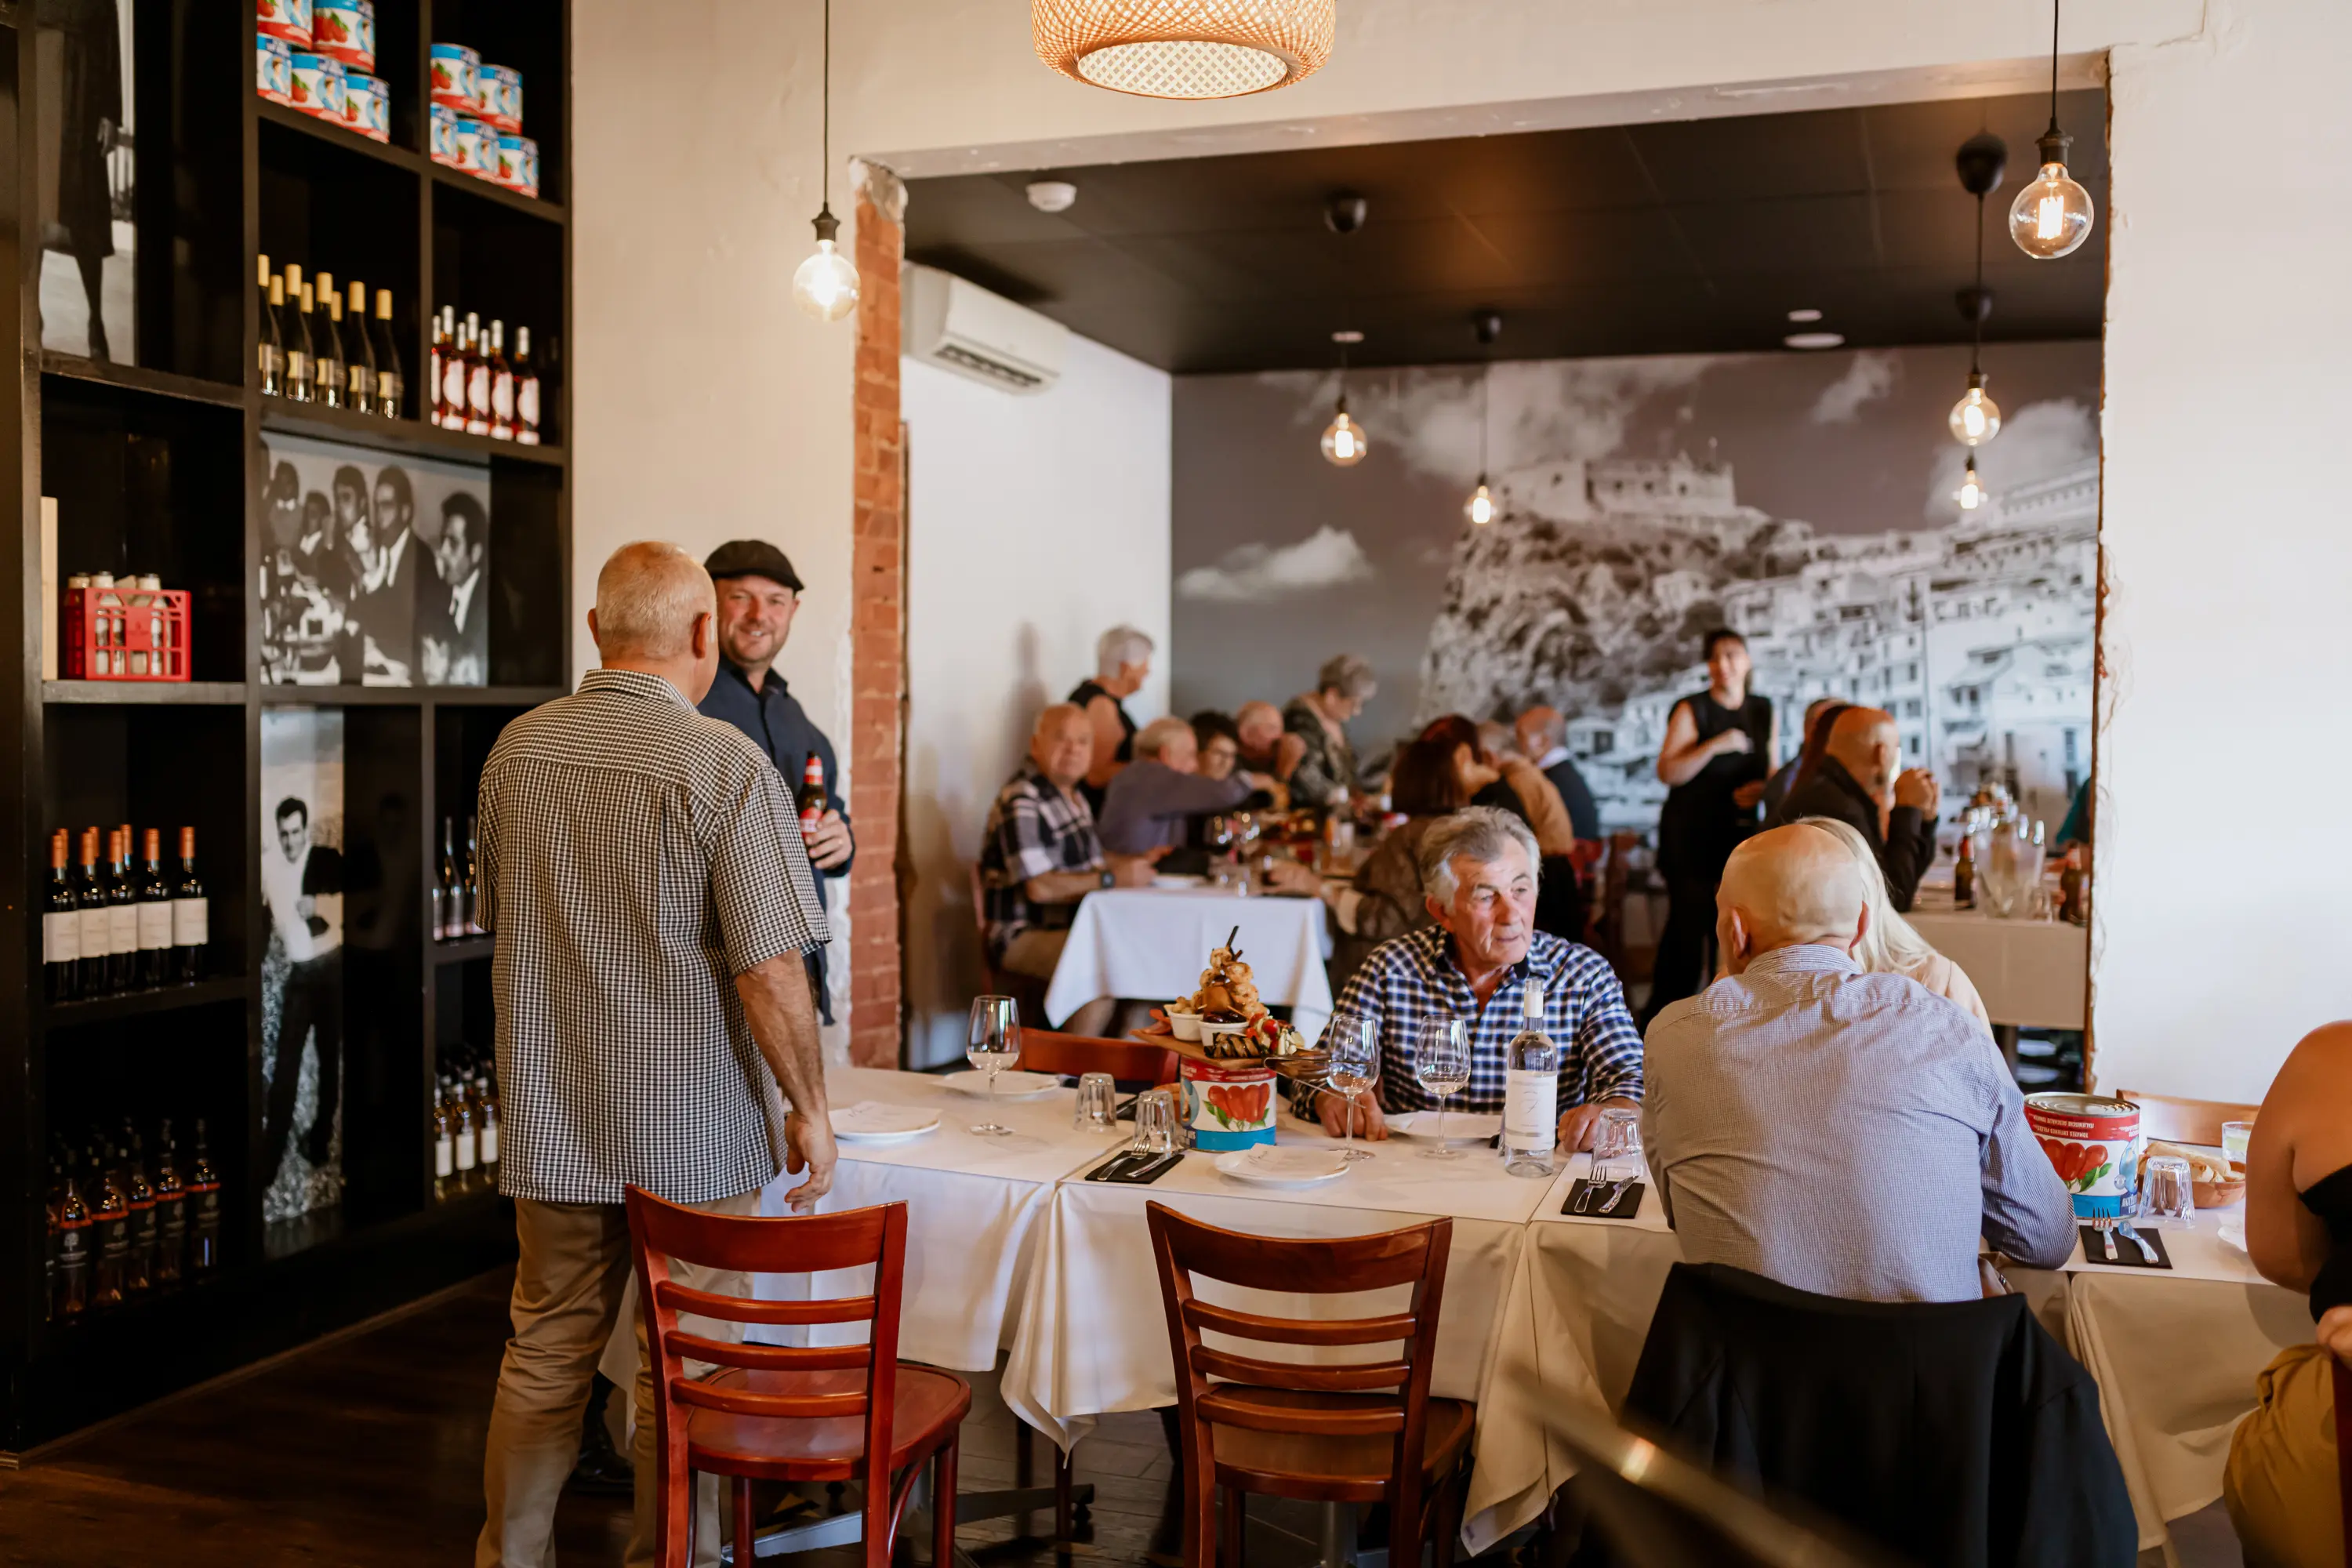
[(779, 726)]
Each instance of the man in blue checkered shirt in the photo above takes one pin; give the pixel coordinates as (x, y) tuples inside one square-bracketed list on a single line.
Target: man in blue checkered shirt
[(1478, 871)]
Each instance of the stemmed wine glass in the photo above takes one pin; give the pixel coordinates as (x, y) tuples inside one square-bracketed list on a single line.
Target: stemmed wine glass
[(1354, 1044), (1441, 1064), (994, 1044)]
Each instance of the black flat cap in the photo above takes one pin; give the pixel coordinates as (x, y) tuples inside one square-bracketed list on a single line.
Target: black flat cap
[(751, 558)]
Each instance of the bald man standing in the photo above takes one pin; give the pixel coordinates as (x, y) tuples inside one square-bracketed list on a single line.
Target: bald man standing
[(1845, 1134), (1861, 782)]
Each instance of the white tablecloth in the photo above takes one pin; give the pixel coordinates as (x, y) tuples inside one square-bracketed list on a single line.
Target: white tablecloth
[(1154, 943), (2036, 973)]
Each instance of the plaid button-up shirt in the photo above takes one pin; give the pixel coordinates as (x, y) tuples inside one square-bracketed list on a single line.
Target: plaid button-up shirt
[(1034, 829), (1413, 978), (635, 858)]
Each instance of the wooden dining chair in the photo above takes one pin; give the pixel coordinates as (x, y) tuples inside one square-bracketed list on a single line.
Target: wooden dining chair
[(789, 1414), (1356, 1431), (1127, 1062), (2181, 1121)]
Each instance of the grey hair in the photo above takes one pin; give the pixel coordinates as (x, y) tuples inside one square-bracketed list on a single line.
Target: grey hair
[(1153, 738), (1478, 833), (649, 595), (1349, 676), (1119, 647)]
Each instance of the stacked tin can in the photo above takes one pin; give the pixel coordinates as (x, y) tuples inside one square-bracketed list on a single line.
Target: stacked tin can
[(319, 56), (477, 114)]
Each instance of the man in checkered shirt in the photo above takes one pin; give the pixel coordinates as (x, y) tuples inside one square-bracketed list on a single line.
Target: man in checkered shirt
[(1478, 870), (641, 868)]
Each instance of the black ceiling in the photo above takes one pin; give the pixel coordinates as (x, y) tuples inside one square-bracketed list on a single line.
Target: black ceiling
[(1684, 236)]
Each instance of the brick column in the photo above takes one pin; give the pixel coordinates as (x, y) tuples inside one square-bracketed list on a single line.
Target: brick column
[(877, 627)]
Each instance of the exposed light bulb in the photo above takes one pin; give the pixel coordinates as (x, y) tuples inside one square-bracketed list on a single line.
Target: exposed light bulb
[(826, 284), (1976, 418), (1480, 509), (1971, 493), (1343, 439), (2052, 215)]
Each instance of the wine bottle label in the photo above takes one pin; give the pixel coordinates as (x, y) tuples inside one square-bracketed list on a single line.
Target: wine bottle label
[(489, 1145), (363, 381), (73, 1243), (191, 922), (207, 1196), (62, 937), (527, 402), (453, 383), (1530, 1109), (142, 1225), (171, 1216), (387, 389), (113, 1236), (441, 1156), (502, 398), (122, 928), (477, 388), (154, 924), (465, 1141), (97, 933), (298, 365)]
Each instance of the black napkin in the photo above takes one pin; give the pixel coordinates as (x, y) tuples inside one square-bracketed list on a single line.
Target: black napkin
[(1130, 1169), (1627, 1206), (2127, 1256)]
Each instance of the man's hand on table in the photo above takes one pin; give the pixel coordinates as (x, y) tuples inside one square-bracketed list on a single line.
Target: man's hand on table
[(1577, 1122), (1331, 1108), (1132, 870), (828, 842), (808, 1146)]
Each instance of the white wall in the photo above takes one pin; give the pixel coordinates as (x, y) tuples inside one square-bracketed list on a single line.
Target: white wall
[(1035, 523)]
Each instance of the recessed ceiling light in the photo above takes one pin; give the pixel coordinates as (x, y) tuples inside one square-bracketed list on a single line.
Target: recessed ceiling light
[(1807, 314), (1348, 336), (1052, 196), (1815, 340)]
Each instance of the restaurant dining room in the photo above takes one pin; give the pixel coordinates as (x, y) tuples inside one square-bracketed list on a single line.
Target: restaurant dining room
[(1320, 784)]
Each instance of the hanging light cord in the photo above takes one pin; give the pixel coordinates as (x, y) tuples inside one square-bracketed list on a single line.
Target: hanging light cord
[(825, 134), (2053, 66), (1485, 374), (1977, 305)]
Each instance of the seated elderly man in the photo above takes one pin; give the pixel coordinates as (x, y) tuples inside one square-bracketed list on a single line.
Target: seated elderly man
[(1845, 1134), (1147, 808), (1267, 749), (1478, 875), (1861, 782)]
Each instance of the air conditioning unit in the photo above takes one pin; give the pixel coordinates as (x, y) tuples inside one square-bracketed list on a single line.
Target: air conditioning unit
[(963, 328)]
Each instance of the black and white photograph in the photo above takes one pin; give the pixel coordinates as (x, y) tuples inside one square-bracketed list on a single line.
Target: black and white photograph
[(374, 571), (83, 134), (302, 962)]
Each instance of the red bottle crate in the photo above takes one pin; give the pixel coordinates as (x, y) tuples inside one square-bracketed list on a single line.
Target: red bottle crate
[(125, 633)]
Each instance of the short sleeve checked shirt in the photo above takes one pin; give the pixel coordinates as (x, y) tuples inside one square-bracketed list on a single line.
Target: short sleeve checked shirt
[(635, 858), (1034, 829), (1413, 977)]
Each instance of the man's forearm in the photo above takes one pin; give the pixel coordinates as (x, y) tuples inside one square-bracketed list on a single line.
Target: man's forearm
[(783, 1024), (1062, 887)]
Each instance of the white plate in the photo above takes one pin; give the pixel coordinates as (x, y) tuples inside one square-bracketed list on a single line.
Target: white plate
[(2234, 1233), (1009, 1085), (1271, 1165), (871, 1122), (1461, 1126), (1176, 879)]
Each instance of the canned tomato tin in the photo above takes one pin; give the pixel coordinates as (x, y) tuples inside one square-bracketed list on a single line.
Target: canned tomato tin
[(2095, 1144), (319, 85), (345, 30), (454, 65), (273, 69), (287, 19), (498, 93), (477, 147), (367, 105), (1229, 1105), (519, 163), (443, 135)]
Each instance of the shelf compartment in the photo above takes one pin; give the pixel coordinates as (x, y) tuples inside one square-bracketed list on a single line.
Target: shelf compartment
[(465, 952), (394, 153), (145, 693), (138, 379), (492, 259), (410, 437), (145, 1003), (458, 180), (532, 37)]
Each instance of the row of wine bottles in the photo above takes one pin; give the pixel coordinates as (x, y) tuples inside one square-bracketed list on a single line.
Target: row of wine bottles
[(125, 1219), (465, 1128), (455, 917), (119, 927), (475, 387), (312, 353)]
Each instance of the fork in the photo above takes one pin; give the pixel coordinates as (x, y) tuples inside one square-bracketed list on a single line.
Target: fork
[(2105, 1227)]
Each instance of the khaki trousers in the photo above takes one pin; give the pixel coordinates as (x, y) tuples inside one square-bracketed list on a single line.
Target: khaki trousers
[(576, 1264), (2281, 1485), (1035, 953)]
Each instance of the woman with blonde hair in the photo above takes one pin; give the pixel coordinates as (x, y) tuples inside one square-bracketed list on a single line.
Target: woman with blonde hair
[(1890, 945)]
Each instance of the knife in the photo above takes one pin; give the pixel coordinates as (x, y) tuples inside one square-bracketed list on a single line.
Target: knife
[(1116, 1164), (1583, 1196), (2137, 1240), (1616, 1193)]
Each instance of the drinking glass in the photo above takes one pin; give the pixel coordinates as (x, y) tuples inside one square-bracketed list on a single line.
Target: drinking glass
[(1097, 1104), (2236, 1136), (1617, 1146), (1355, 1048), (1155, 1121), (2167, 1193), (1441, 1064), (993, 1045)]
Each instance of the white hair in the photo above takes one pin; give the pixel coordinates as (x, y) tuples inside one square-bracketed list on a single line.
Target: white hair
[(1119, 647), (1480, 834), (1154, 737), (647, 598), (1349, 675), (1891, 945)]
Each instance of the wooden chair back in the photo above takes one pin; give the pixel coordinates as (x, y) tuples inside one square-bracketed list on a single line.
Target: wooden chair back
[(802, 1244), (1127, 1061), (2179, 1121), (1415, 1256)]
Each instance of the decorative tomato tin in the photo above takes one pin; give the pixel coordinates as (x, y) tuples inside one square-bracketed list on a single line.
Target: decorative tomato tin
[(517, 164), (442, 144), (454, 65), (345, 30), (1229, 1104), (273, 69), (319, 85), (477, 147), (367, 105), (499, 97), (2095, 1144), (287, 19)]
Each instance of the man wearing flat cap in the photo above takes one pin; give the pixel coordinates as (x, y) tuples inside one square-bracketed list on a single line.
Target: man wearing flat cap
[(758, 594)]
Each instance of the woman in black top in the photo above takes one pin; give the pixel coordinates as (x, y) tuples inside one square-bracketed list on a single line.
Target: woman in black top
[(1721, 747), (1122, 660)]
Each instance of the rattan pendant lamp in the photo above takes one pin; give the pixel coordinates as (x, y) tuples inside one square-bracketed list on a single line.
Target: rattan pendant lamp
[(1184, 48)]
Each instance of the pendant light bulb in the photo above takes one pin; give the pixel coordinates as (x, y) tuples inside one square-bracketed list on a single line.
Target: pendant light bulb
[(1343, 439), (826, 284), (1971, 493), (1976, 418), (2052, 215), (1480, 509)]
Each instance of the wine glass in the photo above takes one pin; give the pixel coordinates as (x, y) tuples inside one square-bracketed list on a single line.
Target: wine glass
[(1354, 1044), (994, 1044), (1441, 1064)]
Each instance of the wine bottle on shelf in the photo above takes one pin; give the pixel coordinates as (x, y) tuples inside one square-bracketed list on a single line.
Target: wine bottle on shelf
[(139, 1194), (52, 1195), (526, 380), (154, 915), (110, 1227), (73, 1248), (60, 926), (327, 325), (122, 914), (447, 924), (477, 377), (273, 341), (389, 385), (204, 1210), (445, 1142), (440, 411), (470, 883), (465, 1147), (358, 352), (191, 917), (485, 1115), (300, 385), (453, 370), (502, 386), (89, 897), (170, 1209)]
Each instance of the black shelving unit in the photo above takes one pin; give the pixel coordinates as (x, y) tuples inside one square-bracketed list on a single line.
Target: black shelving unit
[(157, 467)]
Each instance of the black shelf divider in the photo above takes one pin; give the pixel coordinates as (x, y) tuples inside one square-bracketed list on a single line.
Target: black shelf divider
[(458, 179), (463, 950), (145, 693), (142, 1004), (413, 438), (335, 135), (407, 696), (133, 378)]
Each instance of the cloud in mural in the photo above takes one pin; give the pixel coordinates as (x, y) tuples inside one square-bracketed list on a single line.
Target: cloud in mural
[(1252, 573), (2040, 441), (1873, 374)]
